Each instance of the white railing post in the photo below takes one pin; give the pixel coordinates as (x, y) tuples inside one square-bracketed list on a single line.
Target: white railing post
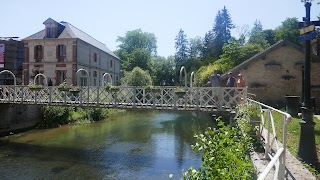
[(267, 149)]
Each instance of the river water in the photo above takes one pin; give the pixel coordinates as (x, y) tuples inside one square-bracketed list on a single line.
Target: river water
[(130, 145)]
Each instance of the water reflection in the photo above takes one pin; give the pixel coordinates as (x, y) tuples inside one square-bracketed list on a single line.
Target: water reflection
[(132, 145)]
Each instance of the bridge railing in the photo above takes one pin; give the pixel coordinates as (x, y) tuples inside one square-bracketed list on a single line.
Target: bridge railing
[(195, 98)]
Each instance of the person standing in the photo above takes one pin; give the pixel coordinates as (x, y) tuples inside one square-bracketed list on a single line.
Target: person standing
[(215, 82), (231, 82), (240, 84), (215, 79), (240, 81)]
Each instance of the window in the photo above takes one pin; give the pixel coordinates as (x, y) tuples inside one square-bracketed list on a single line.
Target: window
[(83, 81), (95, 57), (95, 82), (60, 76), (95, 74), (117, 80), (111, 63), (38, 53), (61, 52), (49, 32)]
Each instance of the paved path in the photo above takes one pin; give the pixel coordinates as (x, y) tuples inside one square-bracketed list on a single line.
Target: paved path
[(295, 170)]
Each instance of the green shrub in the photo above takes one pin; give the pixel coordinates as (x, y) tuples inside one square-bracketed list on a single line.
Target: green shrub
[(54, 116), (225, 154)]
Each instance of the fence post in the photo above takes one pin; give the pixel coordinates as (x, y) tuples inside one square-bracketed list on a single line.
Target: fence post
[(98, 95), (267, 149), (50, 95), (134, 97), (197, 98)]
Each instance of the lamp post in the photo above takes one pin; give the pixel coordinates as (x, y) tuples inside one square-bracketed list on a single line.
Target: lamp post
[(307, 147)]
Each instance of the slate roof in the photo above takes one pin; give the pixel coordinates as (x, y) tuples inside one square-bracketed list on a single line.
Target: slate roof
[(71, 31), (261, 54)]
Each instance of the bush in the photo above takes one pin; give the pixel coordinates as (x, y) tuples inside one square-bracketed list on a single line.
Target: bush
[(54, 116), (137, 77), (225, 154)]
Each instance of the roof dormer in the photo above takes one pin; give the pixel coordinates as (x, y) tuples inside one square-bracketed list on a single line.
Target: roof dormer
[(53, 28)]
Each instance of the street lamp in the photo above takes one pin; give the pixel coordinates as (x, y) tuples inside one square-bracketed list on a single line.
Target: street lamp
[(307, 147)]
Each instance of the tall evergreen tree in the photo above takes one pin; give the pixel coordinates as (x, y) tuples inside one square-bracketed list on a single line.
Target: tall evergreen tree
[(181, 47), (257, 35), (181, 54), (222, 30)]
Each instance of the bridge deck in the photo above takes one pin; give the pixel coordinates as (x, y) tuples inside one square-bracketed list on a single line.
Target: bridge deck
[(194, 99)]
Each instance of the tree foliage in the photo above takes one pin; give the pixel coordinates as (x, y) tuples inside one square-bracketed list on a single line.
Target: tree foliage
[(163, 70), (257, 36), (222, 30), (288, 30), (181, 47), (137, 77), (136, 49)]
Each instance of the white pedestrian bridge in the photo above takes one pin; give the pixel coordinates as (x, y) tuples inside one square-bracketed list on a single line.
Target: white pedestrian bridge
[(165, 97)]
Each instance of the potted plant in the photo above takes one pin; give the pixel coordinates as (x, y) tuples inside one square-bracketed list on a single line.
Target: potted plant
[(151, 88), (254, 112), (180, 92), (35, 87), (111, 88), (74, 90), (64, 86)]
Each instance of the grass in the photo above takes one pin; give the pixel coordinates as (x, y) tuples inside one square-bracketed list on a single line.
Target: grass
[(293, 136)]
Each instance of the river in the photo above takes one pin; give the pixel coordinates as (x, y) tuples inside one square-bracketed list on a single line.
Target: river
[(132, 145)]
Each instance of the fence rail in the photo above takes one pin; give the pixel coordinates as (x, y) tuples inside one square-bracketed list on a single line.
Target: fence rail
[(273, 149), (194, 98)]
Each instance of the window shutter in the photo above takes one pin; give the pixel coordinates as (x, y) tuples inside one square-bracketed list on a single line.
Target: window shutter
[(42, 52), (64, 51), (57, 52), (57, 81), (35, 55)]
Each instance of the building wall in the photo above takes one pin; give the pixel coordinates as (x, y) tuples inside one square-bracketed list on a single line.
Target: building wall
[(49, 63), (279, 74), (79, 54), (13, 59), (102, 65)]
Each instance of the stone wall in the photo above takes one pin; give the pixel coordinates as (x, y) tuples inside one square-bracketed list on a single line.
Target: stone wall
[(15, 117), (278, 74)]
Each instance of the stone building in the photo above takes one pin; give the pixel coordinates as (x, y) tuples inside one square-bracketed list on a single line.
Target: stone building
[(60, 49), (13, 59), (277, 72)]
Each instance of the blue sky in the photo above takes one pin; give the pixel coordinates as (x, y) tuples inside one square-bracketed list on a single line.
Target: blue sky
[(105, 20)]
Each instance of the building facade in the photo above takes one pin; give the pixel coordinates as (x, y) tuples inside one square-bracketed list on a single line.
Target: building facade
[(277, 72), (60, 50), (11, 56)]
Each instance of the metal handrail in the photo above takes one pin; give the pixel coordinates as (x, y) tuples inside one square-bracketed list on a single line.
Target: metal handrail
[(195, 98), (280, 155)]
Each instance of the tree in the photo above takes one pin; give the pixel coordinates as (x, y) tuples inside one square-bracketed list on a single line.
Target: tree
[(195, 47), (136, 49), (289, 30), (222, 30), (257, 36), (163, 70), (181, 54), (181, 47), (137, 77), (236, 53), (269, 34), (137, 58)]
